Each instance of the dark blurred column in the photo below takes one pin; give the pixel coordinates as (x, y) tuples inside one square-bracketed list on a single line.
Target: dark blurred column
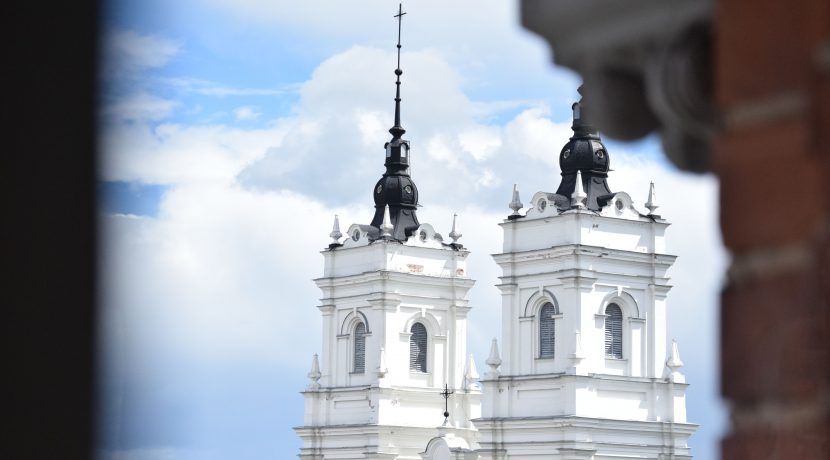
[(47, 231), (772, 81)]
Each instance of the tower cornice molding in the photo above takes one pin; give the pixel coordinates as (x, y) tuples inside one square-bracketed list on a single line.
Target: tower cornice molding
[(580, 279), (507, 288), (384, 300), (394, 276), (505, 259)]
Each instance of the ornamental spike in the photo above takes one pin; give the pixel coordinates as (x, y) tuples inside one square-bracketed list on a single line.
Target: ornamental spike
[(314, 374), (386, 227), (382, 369), (651, 204), (578, 196), (494, 360), (454, 233), (335, 231), (515, 203), (674, 363), (472, 372)]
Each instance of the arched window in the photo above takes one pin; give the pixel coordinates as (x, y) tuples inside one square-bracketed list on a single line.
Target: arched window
[(547, 331), (360, 348), (613, 331), (418, 348)]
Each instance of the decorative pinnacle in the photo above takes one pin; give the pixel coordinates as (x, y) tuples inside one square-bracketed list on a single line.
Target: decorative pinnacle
[(382, 370), (471, 374), (314, 374), (454, 234), (674, 363), (397, 131), (494, 360), (515, 203), (650, 204), (578, 196), (386, 227), (335, 231)]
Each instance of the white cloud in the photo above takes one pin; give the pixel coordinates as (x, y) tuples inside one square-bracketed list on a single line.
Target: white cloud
[(174, 153), (140, 107), (246, 113), (212, 88), (533, 134), (162, 453), (126, 51)]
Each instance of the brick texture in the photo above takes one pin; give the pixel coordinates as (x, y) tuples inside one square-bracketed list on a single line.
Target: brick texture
[(772, 84), (779, 444), (763, 45), (773, 339)]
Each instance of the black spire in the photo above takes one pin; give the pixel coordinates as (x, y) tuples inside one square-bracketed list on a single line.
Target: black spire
[(397, 131), (585, 152), (396, 189)]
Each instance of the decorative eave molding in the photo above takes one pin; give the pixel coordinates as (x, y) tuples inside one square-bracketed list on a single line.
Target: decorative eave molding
[(578, 422), (578, 279), (586, 215), (393, 276), (327, 309), (504, 260), (561, 377), (384, 300)]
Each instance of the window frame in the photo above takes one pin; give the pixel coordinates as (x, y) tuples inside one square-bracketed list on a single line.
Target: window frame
[(355, 338), (617, 337), (422, 367), (548, 305)]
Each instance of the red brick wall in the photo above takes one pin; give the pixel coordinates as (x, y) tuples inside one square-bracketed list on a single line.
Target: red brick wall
[(772, 84)]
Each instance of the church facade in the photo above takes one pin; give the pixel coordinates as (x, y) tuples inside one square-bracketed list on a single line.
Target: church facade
[(584, 369)]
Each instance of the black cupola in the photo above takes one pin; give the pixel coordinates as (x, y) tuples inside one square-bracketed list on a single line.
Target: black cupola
[(584, 152), (396, 189)]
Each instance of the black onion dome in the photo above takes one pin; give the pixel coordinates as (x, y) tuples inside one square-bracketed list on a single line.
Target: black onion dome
[(584, 152), (396, 190)]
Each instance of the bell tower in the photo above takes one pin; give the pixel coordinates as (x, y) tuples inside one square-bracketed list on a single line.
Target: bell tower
[(585, 369), (394, 324)]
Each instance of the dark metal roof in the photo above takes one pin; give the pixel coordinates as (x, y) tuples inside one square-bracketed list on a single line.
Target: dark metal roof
[(584, 152)]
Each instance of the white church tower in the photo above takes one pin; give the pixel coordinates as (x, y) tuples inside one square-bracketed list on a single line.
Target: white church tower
[(585, 370), (394, 313)]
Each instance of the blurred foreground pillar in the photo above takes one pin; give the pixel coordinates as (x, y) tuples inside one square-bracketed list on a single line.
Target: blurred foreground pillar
[(741, 89)]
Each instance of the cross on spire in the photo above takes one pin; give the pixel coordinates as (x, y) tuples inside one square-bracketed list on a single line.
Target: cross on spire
[(400, 19), (446, 394), (397, 131)]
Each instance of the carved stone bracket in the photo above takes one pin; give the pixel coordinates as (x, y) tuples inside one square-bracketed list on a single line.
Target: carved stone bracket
[(644, 63)]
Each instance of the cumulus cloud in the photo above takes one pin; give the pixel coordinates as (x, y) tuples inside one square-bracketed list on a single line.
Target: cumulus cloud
[(126, 51), (246, 113), (140, 107), (171, 153), (212, 88), (341, 121)]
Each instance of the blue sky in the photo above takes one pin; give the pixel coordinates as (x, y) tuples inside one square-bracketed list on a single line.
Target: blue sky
[(232, 132)]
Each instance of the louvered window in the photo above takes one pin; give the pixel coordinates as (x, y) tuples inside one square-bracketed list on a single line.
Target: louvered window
[(547, 331), (613, 331), (418, 348), (360, 348)]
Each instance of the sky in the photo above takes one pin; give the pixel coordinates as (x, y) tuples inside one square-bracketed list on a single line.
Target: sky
[(231, 133)]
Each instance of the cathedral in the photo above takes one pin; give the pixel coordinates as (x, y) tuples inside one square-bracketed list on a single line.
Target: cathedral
[(583, 370)]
